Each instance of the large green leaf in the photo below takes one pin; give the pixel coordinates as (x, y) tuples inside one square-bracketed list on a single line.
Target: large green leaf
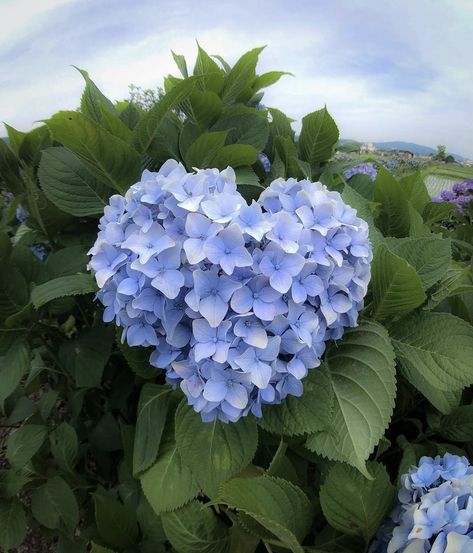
[(64, 446), (298, 415), (438, 347), (93, 100), (148, 126), (394, 217), (12, 524), (169, 483), (54, 505), (415, 190), (66, 262), (9, 169), (202, 152), (241, 76), (85, 356), (214, 451), (13, 290), (454, 282), (244, 126), (362, 206), (13, 368), (210, 76), (109, 158), (72, 285), (235, 155), (362, 372), (279, 506), (268, 79), (281, 124), (354, 504), (195, 529), (319, 136), (114, 523), (152, 411), (397, 288), (457, 426), (68, 184), (206, 107), (429, 255), (25, 442), (137, 358)]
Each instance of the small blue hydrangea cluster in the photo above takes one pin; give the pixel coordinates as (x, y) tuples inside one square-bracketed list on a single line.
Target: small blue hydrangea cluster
[(237, 300), (361, 169), (461, 195), (435, 511), (264, 160)]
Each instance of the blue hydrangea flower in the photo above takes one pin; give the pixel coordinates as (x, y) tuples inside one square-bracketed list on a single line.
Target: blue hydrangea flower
[(237, 300), (435, 509), (264, 160), (361, 169)]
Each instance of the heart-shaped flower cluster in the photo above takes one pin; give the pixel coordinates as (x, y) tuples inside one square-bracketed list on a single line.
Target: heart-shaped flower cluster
[(238, 300)]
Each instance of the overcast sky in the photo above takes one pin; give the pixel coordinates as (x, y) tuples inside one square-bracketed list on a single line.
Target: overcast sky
[(387, 70)]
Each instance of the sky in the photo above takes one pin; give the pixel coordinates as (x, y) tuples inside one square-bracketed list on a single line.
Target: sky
[(386, 70)]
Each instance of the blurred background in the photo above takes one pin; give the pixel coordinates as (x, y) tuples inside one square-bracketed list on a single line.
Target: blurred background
[(387, 71)]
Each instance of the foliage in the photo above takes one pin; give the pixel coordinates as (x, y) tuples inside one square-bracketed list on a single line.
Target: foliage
[(99, 452)]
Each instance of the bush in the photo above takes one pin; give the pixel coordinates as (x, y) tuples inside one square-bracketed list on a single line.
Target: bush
[(102, 453)]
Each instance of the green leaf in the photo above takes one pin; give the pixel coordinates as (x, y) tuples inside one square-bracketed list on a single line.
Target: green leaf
[(279, 506), (169, 483), (72, 285), (13, 368), (9, 169), (86, 356), (458, 425), (394, 218), (436, 346), (33, 143), (453, 283), (397, 288), (319, 136), (214, 451), (298, 415), (241, 75), (244, 126), (13, 290), (415, 190), (235, 155), (12, 524), (210, 76), (362, 372), (204, 149), (25, 442), (429, 255), (206, 107), (66, 262), (114, 523), (15, 138), (195, 529), (109, 158), (152, 412), (435, 212), (353, 504), (93, 101), (149, 124), (137, 358), (69, 186), (358, 202), (281, 124), (268, 79), (181, 63), (131, 115), (96, 548), (64, 446), (54, 505), (12, 482)]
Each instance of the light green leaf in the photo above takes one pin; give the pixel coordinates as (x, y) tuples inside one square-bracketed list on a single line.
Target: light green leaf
[(72, 285), (210, 76), (415, 190), (244, 126), (268, 79), (319, 136), (362, 372), (279, 506), (86, 355), (12, 524), (152, 412), (235, 155), (241, 75), (169, 483), (114, 523), (109, 158), (13, 368), (394, 218), (361, 204), (68, 184), (195, 529), (214, 451), (9, 170), (206, 107), (298, 415), (15, 138), (54, 505), (93, 101), (64, 446), (458, 425), (454, 282), (397, 288), (204, 149), (436, 346), (429, 255), (353, 504), (434, 212), (181, 63), (149, 124), (25, 442), (281, 124)]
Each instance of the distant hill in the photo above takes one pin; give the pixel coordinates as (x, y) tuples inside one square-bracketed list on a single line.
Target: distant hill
[(416, 149)]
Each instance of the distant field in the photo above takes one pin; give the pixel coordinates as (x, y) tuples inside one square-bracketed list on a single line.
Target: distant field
[(443, 177)]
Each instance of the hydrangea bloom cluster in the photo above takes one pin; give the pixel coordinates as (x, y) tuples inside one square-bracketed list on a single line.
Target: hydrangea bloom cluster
[(237, 300), (435, 511), (461, 195), (264, 160), (361, 169)]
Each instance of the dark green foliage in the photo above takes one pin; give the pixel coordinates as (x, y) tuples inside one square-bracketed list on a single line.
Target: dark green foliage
[(102, 455)]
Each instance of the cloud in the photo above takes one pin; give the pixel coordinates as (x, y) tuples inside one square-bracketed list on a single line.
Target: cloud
[(386, 70)]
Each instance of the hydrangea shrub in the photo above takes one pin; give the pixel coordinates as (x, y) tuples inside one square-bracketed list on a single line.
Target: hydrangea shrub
[(211, 189)]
